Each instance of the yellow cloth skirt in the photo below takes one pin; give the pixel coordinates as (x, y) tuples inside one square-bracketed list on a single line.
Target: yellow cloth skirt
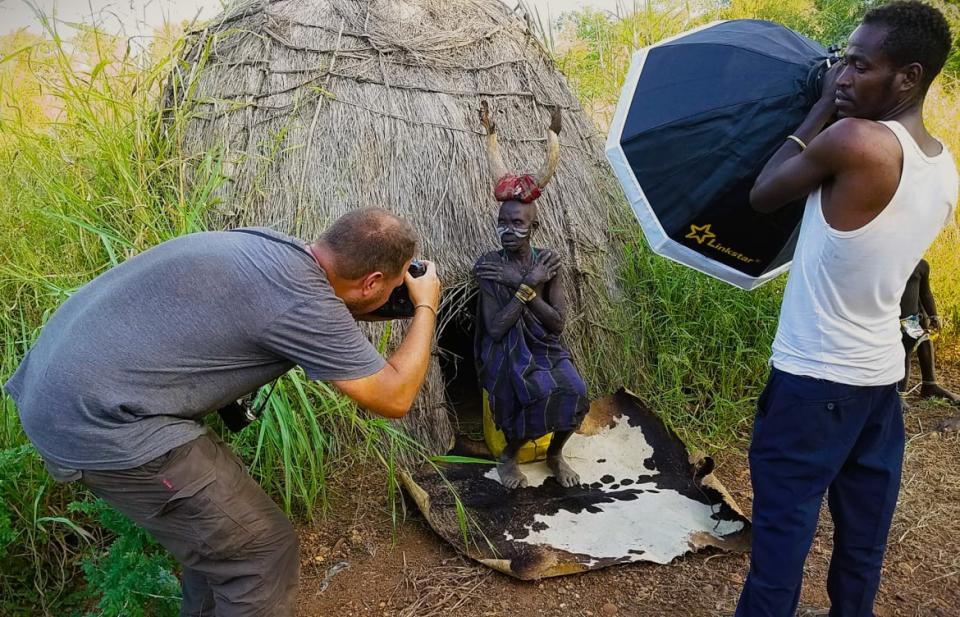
[(535, 450)]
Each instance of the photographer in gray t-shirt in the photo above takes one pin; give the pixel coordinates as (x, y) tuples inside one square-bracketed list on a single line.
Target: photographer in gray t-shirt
[(113, 391)]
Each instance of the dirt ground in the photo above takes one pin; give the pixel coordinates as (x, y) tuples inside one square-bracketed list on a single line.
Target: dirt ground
[(416, 574)]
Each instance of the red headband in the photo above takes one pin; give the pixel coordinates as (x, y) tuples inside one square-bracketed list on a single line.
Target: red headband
[(516, 188)]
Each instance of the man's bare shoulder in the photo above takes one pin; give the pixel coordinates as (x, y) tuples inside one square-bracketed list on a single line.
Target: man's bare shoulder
[(857, 142)]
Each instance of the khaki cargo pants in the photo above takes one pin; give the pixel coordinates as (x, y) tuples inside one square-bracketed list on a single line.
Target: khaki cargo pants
[(238, 551)]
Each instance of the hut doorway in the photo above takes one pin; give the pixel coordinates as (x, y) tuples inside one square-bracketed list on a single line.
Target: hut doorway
[(463, 393)]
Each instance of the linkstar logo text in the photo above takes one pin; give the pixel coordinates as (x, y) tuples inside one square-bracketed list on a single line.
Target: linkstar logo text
[(702, 233)]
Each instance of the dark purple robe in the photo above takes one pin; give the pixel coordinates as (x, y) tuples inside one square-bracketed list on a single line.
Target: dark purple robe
[(533, 386)]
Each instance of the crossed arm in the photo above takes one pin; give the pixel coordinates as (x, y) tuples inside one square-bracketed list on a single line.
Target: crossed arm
[(549, 305), (550, 311)]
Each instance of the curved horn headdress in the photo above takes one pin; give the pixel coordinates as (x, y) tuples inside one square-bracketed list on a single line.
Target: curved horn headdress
[(553, 150), (524, 188)]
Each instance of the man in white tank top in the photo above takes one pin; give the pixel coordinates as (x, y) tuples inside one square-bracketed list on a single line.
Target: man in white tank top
[(879, 188)]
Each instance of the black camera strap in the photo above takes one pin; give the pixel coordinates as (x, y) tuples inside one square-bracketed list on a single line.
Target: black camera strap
[(263, 405), (260, 234)]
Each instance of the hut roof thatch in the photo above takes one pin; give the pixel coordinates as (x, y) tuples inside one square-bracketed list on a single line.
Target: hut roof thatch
[(321, 106)]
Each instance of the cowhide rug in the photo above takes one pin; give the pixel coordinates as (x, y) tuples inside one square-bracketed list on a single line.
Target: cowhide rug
[(642, 497)]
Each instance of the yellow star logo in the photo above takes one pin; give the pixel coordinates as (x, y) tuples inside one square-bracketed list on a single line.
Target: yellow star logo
[(700, 233)]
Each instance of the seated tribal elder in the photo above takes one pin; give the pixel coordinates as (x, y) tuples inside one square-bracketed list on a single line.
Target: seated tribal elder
[(533, 386)]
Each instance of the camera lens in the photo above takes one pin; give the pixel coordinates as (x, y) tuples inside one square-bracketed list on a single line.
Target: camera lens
[(417, 268)]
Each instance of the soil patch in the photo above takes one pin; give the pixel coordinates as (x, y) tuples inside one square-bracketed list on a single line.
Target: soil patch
[(413, 573)]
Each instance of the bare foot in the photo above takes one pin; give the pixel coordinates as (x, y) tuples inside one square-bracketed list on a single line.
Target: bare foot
[(950, 424), (929, 390), (564, 474), (510, 474)]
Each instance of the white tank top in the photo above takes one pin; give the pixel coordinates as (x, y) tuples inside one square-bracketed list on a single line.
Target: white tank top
[(839, 318)]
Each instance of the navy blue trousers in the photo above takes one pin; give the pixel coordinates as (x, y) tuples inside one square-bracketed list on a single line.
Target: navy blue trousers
[(813, 436)]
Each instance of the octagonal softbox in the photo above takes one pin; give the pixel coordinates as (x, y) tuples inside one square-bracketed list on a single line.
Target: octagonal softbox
[(698, 117)]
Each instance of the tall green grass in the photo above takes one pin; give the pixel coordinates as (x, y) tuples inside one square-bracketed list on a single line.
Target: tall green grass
[(700, 345), (90, 175), (943, 118), (87, 179)]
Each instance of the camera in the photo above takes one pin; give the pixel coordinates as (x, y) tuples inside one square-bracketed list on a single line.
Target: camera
[(238, 415), (399, 305), (815, 78)]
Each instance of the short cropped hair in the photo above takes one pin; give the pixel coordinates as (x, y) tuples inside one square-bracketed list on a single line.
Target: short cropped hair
[(916, 32), (370, 240)]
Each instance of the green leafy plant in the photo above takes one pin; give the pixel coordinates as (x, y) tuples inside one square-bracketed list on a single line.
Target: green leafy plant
[(133, 576)]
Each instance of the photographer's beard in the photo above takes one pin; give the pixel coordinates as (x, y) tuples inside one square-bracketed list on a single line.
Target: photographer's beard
[(366, 306)]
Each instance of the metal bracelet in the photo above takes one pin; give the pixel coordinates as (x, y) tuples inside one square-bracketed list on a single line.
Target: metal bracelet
[(427, 306), (797, 141)]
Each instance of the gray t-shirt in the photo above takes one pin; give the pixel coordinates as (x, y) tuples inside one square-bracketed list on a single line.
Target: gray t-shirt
[(126, 367)]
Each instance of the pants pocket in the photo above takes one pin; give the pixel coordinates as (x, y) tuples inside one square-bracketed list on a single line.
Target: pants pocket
[(219, 519), (764, 398), (206, 511)]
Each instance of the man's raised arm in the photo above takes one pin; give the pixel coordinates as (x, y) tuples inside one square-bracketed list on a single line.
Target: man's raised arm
[(801, 164), (391, 391)]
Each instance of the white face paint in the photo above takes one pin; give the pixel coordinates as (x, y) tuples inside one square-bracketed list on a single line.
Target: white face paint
[(519, 232), (657, 525)]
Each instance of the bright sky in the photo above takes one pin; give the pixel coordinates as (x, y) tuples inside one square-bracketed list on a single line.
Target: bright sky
[(139, 17)]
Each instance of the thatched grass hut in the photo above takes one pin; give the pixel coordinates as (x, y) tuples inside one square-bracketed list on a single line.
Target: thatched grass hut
[(321, 106)]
